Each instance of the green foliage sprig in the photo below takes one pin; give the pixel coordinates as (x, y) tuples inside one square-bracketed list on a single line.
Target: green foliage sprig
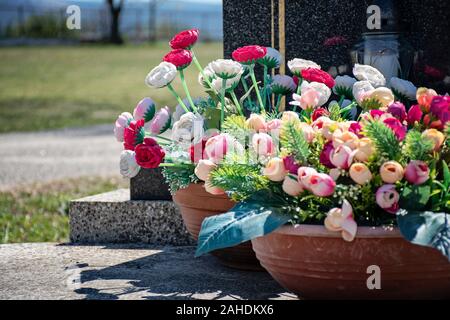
[(179, 177), (294, 142), (241, 180), (236, 126), (384, 139), (417, 147)]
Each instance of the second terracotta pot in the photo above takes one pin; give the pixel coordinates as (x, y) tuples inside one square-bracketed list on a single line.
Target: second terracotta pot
[(195, 205), (318, 264)]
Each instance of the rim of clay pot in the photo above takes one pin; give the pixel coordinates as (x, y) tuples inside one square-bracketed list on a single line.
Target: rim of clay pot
[(199, 190), (309, 230)]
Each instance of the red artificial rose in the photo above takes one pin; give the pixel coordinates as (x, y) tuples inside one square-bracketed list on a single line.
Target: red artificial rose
[(132, 134), (249, 54), (291, 165), (185, 39), (324, 157), (296, 80), (149, 154), (317, 75), (319, 112), (181, 58), (414, 115), (396, 126), (434, 72)]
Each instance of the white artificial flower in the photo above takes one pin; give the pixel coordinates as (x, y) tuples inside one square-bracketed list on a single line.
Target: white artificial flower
[(179, 110), (162, 75), (189, 129), (383, 95), (128, 166), (232, 83), (361, 90), (226, 68), (369, 73), (272, 59), (297, 65), (282, 84), (322, 89), (343, 85), (209, 73), (404, 87)]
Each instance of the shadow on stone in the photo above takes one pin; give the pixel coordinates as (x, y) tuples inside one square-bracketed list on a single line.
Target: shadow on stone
[(173, 274)]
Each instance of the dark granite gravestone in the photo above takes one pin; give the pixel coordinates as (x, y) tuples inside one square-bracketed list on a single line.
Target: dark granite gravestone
[(149, 184), (326, 31)]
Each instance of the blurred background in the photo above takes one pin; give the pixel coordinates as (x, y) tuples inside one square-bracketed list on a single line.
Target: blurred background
[(61, 91)]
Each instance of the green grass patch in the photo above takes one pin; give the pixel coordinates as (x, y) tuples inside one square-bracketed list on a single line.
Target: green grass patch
[(55, 87), (39, 213)]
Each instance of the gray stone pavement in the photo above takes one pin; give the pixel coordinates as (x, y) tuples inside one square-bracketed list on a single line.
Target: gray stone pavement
[(57, 154), (53, 271)]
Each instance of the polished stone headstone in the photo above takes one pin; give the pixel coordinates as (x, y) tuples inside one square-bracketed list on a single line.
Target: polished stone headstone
[(326, 31), (149, 184)]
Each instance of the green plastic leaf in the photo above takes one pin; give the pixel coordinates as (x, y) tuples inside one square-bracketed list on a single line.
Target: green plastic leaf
[(150, 113), (246, 221), (415, 197), (446, 174), (430, 229), (212, 118)]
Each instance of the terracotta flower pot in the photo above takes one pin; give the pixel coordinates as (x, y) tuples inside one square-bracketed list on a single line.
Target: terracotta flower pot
[(195, 205), (318, 264)]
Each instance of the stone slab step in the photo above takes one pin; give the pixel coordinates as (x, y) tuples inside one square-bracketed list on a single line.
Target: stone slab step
[(124, 271), (113, 218)]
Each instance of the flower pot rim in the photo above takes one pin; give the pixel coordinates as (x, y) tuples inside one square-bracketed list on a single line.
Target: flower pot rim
[(307, 230)]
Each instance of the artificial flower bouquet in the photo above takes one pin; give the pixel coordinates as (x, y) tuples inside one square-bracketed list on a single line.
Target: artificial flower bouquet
[(375, 156)]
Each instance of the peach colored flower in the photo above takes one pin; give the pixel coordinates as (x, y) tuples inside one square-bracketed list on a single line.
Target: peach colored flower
[(256, 122), (360, 173), (425, 96), (391, 172), (203, 168), (289, 116), (436, 136), (291, 186), (341, 220), (308, 132), (365, 149), (275, 170), (212, 189), (345, 138)]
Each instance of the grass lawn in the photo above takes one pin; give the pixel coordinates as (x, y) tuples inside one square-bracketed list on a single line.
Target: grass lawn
[(39, 213), (55, 87)]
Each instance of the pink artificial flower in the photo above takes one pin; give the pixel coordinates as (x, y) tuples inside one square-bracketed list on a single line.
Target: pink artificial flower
[(376, 114), (304, 175), (133, 135), (317, 75), (145, 109), (341, 220), (161, 121), (321, 185), (308, 100), (217, 147), (291, 165), (180, 58), (273, 125), (355, 127), (342, 157), (263, 144), (325, 155), (249, 54), (185, 39), (417, 172), (387, 198), (395, 125), (414, 115), (398, 110), (440, 108), (122, 122)]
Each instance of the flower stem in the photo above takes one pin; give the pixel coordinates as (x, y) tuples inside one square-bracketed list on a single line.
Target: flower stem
[(179, 165), (341, 101), (252, 76), (236, 102), (244, 84), (277, 107), (200, 68), (175, 94), (186, 90), (299, 87), (222, 102), (265, 84)]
